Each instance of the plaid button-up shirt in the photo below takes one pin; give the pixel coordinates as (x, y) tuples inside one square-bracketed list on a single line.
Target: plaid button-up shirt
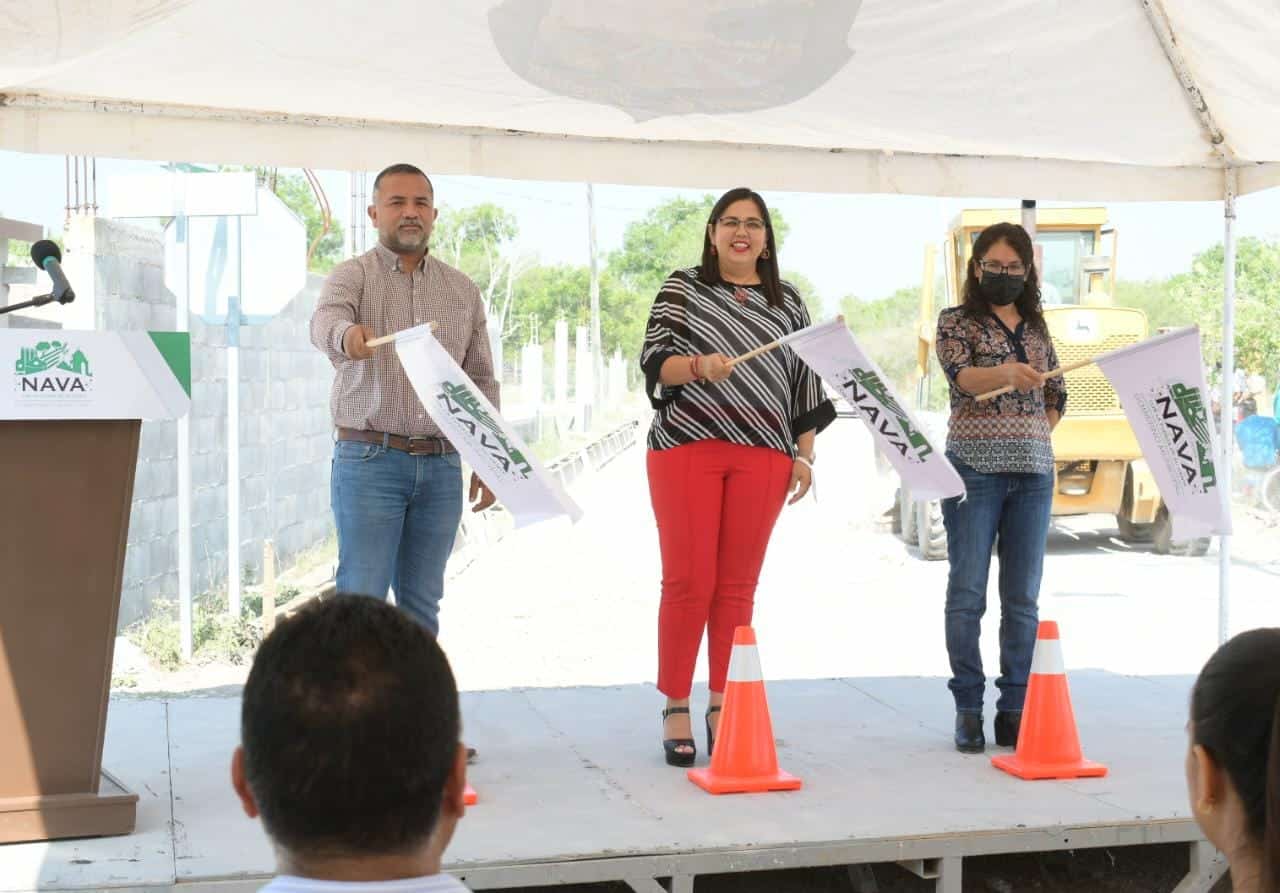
[(371, 290)]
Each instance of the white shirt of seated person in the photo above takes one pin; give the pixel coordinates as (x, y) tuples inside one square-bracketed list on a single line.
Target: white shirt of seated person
[(435, 883)]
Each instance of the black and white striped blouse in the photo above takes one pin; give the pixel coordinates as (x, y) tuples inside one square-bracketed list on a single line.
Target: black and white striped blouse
[(768, 401)]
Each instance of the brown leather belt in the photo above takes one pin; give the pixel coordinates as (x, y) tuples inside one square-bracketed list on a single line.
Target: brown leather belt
[(414, 446)]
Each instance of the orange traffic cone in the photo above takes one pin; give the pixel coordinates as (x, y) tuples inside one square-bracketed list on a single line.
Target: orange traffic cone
[(1048, 745), (744, 759), (469, 796)]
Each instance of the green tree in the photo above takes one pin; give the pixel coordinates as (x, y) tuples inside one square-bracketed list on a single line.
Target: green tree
[(298, 195), (296, 192), (481, 241), (1257, 305), (668, 237), (1156, 299), (20, 252), (474, 238), (546, 294), (623, 317), (808, 293), (902, 308), (887, 330)]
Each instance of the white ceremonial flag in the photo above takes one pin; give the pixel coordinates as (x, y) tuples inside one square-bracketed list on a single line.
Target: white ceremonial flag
[(1162, 389), (496, 453), (831, 351)]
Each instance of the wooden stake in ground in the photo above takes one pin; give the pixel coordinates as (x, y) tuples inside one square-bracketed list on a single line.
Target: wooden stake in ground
[(268, 586), (1052, 373)]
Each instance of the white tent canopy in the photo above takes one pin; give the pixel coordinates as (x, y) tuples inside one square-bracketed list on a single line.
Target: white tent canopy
[(1106, 99)]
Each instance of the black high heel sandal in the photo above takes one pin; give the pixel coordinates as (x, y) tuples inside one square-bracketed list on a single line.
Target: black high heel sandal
[(669, 745), (711, 739)]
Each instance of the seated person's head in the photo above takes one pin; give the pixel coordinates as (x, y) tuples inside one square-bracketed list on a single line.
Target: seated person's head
[(1233, 766), (350, 743)]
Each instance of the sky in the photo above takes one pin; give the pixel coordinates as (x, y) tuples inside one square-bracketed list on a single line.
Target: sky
[(865, 245)]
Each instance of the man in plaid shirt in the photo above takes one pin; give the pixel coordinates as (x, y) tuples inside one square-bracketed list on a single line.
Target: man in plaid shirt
[(396, 483)]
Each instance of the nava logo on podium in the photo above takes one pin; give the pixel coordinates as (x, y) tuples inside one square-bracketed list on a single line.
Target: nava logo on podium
[(52, 367)]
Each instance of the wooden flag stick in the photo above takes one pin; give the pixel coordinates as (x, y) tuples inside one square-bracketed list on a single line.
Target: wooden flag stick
[(387, 339), (1052, 373), (765, 349), (753, 353)]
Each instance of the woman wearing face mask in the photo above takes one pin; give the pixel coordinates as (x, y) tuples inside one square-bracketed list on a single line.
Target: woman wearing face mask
[(727, 445), (1002, 449), (1233, 762)]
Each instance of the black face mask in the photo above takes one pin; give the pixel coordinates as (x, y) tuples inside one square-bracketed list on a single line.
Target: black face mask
[(1001, 289)]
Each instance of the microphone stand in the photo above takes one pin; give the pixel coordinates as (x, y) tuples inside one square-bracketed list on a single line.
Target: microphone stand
[(37, 301)]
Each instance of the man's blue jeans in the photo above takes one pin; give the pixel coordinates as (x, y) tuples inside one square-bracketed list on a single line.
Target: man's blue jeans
[(397, 517), (1011, 510)]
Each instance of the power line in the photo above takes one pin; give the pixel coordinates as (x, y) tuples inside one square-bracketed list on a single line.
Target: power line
[(555, 202)]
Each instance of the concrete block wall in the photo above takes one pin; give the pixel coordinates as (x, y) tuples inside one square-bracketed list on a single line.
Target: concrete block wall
[(285, 431)]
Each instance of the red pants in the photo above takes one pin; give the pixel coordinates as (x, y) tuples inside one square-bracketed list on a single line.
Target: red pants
[(716, 503)]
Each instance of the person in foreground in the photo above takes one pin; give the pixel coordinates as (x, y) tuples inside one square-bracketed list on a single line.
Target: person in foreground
[(727, 446), (350, 751), (1233, 760), (1003, 450)]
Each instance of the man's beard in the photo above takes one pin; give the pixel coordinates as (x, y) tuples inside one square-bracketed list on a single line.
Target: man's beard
[(405, 241)]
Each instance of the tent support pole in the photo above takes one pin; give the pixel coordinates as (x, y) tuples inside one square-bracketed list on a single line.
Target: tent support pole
[(1169, 43), (1227, 410)]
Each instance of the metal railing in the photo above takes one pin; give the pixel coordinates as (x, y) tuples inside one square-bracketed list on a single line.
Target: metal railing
[(595, 455)]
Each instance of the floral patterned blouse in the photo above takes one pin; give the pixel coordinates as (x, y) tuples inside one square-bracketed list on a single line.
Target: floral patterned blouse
[(1009, 433)]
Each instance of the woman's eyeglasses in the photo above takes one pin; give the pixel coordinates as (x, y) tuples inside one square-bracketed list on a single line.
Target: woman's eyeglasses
[(753, 224), (995, 269)]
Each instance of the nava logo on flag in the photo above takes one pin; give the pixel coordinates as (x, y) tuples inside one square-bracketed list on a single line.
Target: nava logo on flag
[(872, 400), (466, 412), (1182, 429)]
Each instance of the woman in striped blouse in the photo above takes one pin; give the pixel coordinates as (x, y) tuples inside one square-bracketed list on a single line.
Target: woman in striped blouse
[(727, 445)]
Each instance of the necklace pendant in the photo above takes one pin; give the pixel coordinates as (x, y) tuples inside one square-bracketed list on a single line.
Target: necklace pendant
[(740, 295)]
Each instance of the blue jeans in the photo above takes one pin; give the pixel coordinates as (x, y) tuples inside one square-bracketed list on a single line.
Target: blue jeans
[(1010, 511), (397, 517)]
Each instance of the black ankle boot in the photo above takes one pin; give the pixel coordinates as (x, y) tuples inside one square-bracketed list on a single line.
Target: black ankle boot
[(1007, 725), (969, 737)]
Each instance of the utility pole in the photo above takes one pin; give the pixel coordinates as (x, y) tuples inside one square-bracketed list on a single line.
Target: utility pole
[(597, 361)]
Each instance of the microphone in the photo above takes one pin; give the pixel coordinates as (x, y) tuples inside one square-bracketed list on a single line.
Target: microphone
[(46, 256)]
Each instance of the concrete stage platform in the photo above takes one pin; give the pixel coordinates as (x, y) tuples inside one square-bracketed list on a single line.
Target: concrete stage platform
[(573, 790)]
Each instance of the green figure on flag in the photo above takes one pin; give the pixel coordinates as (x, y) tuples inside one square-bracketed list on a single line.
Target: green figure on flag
[(462, 397), (1191, 405), (871, 383)]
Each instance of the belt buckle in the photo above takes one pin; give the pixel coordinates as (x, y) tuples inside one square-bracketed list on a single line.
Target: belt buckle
[(426, 444)]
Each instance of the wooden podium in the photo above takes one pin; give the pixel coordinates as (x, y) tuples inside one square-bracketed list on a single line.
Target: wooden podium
[(71, 407)]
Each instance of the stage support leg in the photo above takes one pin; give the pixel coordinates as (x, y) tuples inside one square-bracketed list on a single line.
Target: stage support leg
[(949, 868), (863, 879), (1207, 866), (680, 883), (945, 870), (645, 885)]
